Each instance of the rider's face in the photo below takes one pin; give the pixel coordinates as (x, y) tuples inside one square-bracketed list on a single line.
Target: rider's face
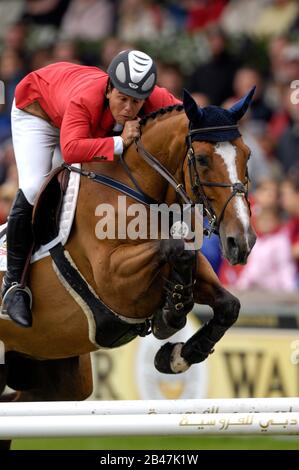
[(123, 107)]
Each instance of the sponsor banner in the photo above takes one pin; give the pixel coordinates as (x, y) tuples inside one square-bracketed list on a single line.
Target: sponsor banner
[(246, 363)]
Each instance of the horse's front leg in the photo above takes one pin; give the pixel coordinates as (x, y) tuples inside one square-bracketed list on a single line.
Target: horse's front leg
[(178, 289), (176, 358)]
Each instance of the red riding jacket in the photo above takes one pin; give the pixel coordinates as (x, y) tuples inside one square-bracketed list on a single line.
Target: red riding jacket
[(73, 96)]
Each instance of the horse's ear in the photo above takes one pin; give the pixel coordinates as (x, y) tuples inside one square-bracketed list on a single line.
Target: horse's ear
[(239, 109), (191, 109)]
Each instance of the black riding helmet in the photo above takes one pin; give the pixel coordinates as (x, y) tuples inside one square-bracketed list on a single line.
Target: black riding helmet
[(133, 73)]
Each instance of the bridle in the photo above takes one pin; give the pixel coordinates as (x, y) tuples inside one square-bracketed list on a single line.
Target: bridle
[(197, 185)]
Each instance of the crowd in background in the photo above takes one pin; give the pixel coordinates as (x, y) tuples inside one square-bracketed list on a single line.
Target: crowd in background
[(217, 49)]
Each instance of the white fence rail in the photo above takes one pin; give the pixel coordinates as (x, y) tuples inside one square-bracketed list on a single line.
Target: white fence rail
[(260, 416), (136, 407)]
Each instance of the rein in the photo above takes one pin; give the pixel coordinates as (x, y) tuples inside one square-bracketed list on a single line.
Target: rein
[(197, 186)]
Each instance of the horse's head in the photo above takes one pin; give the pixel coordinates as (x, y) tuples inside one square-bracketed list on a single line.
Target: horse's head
[(217, 173)]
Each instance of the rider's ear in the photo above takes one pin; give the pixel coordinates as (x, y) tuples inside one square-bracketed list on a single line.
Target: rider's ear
[(108, 90), (239, 109), (191, 109)]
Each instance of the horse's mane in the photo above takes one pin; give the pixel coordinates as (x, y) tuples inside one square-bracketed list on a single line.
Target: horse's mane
[(160, 112)]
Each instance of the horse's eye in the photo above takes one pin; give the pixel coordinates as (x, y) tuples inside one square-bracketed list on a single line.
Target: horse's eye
[(203, 160)]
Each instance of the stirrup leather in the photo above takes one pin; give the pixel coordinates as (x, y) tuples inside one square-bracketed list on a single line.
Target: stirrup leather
[(15, 287)]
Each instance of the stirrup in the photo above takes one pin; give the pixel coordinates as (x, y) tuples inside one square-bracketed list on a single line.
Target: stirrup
[(15, 286)]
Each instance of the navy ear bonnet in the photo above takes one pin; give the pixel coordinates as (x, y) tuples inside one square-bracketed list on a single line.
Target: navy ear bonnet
[(205, 120)]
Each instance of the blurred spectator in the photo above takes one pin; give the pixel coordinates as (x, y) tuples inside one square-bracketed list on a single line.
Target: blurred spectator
[(12, 175), (88, 20), (270, 265), (276, 54), (15, 37), (266, 197), (239, 16), (245, 79), (280, 119), (258, 166), (40, 57), (290, 203), (170, 77), (276, 18), (215, 77), (110, 48), (142, 19), (7, 195), (45, 12), (65, 51), (290, 58), (12, 70), (288, 144), (10, 13), (7, 162), (202, 13), (201, 99)]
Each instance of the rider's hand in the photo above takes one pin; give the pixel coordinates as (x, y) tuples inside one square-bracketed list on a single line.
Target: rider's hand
[(130, 132)]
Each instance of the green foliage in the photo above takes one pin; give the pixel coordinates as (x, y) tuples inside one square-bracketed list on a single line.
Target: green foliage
[(160, 443)]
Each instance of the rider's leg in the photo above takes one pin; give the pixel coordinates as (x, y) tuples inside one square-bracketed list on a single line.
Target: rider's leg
[(34, 141), (17, 299)]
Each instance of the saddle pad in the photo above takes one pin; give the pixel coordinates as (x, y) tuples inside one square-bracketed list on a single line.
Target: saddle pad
[(65, 223)]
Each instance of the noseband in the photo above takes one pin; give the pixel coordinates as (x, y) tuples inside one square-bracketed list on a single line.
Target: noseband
[(197, 185)]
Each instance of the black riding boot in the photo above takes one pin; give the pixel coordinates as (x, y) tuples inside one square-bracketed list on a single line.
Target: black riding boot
[(16, 298)]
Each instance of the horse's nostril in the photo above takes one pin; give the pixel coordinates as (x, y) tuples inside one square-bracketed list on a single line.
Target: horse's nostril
[(231, 243)]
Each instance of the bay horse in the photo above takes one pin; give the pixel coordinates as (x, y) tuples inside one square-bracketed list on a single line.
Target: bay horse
[(203, 151)]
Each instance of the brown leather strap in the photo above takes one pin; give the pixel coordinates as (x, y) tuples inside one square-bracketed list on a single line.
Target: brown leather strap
[(156, 165), (25, 273)]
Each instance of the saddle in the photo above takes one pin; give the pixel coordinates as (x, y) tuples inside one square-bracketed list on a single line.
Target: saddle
[(46, 212), (47, 208)]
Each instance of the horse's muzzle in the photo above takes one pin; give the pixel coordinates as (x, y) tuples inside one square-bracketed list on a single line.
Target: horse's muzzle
[(237, 248)]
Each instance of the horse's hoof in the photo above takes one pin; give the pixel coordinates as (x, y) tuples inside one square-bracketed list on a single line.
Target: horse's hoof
[(168, 359)]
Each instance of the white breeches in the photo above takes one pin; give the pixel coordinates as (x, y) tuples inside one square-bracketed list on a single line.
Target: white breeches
[(36, 148)]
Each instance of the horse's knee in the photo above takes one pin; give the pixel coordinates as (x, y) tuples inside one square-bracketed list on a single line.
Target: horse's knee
[(171, 249), (227, 309)]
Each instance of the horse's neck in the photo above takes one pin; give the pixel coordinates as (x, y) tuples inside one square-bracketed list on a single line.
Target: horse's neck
[(164, 138)]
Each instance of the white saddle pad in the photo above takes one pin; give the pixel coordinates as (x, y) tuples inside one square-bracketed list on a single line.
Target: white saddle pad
[(65, 223)]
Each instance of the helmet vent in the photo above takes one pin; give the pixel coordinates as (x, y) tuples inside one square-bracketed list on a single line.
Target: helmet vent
[(138, 70), (120, 72), (149, 82)]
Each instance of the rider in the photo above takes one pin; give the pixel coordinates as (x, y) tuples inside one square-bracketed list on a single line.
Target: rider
[(80, 107)]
